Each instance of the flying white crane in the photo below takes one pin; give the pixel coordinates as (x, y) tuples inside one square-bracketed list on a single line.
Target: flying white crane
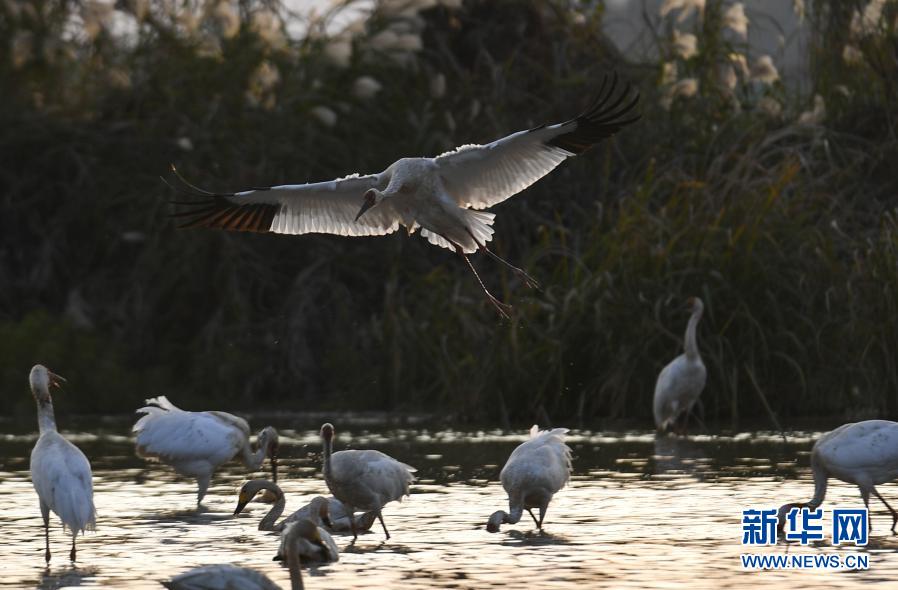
[(223, 577), (59, 470), (534, 472), (681, 382), (327, 512), (197, 443), (442, 196), (863, 453), (364, 480)]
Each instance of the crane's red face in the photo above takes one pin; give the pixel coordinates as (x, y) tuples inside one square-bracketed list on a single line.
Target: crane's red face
[(370, 201), (327, 432)]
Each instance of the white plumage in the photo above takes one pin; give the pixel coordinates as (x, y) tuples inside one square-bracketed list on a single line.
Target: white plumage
[(862, 453), (438, 195), (535, 471), (197, 443), (300, 535), (59, 470), (364, 480), (221, 577), (681, 382)]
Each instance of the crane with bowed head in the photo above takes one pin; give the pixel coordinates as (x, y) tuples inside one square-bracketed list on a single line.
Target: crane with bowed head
[(536, 470), (197, 443), (442, 196), (861, 453), (59, 470)]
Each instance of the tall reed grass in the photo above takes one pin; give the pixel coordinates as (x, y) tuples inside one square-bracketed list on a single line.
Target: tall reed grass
[(783, 221)]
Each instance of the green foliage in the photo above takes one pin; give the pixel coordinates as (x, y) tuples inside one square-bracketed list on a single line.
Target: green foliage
[(783, 228)]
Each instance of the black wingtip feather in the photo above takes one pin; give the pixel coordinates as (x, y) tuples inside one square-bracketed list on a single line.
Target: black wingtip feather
[(218, 210), (602, 118)]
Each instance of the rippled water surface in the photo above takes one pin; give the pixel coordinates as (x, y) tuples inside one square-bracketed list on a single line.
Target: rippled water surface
[(639, 513)]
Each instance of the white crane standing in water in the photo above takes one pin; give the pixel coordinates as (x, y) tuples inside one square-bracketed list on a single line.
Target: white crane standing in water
[(297, 537), (442, 196), (681, 382), (863, 453), (197, 443), (59, 470), (534, 472), (364, 480)]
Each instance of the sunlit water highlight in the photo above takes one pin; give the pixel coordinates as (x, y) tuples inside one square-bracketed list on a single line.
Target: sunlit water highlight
[(639, 513)]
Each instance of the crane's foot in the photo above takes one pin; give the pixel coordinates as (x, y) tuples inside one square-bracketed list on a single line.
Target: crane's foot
[(528, 280), (520, 272), (504, 309), (47, 556), (72, 553)]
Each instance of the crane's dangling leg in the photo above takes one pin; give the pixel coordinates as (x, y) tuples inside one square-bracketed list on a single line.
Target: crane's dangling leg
[(526, 278), (503, 308), (542, 514), (381, 519), (72, 552), (894, 514), (536, 522)]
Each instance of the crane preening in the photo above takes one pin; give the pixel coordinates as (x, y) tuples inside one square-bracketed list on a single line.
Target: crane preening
[(441, 196), (197, 443)]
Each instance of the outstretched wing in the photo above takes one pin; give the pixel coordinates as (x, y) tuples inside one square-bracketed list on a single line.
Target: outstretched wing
[(320, 207), (479, 176)]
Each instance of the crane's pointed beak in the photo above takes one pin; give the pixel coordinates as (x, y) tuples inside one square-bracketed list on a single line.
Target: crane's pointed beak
[(241, 504), (365, 206), (56, 380)]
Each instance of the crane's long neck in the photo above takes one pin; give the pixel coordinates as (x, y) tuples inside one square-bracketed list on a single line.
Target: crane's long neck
[(268, 522), (515, 511), (253, 460), (820, 480), (691, 342), (46, 420), (328, 449), (293, 564)]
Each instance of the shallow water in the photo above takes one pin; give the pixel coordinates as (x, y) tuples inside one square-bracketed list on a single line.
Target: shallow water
[(639, 513)]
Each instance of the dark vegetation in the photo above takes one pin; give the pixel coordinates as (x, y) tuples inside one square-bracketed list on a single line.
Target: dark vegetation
[(786, 227)]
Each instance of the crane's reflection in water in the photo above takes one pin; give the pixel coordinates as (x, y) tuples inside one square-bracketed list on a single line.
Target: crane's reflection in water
[(640, 512)]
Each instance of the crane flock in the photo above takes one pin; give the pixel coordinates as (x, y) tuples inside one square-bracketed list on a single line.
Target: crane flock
[(444, 197)]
